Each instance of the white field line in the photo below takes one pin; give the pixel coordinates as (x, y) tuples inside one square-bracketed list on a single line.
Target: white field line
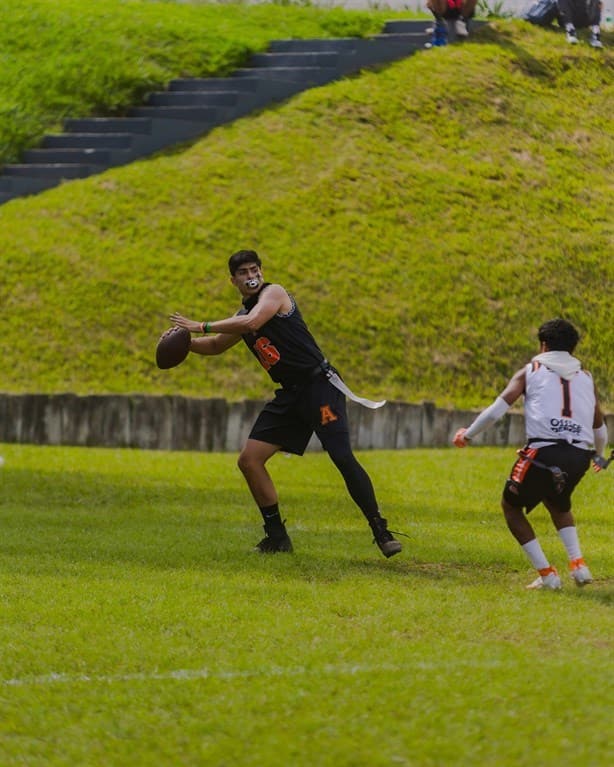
[(187, 675)]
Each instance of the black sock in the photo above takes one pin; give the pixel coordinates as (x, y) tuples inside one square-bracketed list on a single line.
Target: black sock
[(271, 517)]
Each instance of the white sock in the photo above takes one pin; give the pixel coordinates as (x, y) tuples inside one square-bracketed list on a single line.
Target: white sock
[(569, 536), (533, 550)]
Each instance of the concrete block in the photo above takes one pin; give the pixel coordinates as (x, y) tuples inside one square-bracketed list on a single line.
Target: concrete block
[(84, 140), (409, 425), (10, 417), (182, 423), (53, 170), (75, 419), (108, 421), (241, 417), (335, 45), (516, 434), (31, 422), (384, 425), (436, 426)]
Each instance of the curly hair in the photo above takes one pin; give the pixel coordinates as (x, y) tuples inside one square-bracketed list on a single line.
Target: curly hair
[(559, 335)]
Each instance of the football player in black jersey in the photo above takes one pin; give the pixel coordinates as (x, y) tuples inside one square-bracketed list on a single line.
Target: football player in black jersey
[(270, 324)]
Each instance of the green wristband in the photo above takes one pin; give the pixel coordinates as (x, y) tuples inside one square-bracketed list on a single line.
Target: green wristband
[(206, 326)]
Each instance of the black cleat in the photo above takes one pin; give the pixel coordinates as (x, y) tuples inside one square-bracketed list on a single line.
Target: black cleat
[(276, 540), (386, 541)]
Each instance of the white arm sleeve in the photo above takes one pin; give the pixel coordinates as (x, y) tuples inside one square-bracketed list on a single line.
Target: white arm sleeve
[(487, 417), (600, 438)]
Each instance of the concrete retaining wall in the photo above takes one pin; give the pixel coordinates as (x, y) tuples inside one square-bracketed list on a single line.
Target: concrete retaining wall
[(182, 423)]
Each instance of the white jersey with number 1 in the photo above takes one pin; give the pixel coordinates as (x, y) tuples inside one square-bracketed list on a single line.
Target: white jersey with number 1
[(558, 408)]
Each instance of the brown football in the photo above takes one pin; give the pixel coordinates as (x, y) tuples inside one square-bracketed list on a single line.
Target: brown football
[(173, 347)]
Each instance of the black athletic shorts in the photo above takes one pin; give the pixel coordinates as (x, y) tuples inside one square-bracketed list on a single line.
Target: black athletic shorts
[(296, 413), (580, 13), (529, 485)]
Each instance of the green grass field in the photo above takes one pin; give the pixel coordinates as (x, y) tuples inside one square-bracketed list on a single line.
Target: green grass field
[(138, 628)]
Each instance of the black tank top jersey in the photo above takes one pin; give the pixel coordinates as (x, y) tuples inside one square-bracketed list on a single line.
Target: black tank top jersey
[(284, 346)]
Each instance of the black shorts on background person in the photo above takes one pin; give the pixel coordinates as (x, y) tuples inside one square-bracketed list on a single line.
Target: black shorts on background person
[(581, 14)]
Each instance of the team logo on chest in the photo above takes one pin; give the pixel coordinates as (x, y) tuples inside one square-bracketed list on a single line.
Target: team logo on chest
[(267, 353)]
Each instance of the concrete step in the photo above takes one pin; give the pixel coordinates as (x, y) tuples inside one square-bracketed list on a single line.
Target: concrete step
[(261, 89), (359, 53), (72, 156), (169, 132), (79, 140), (319, 45), (203, 114), (347, 45), (381, 51), (401, 39), (231, 104), (139, 125), (17, 186), (196, 98), (147, 134), (211, 84), (295, 59), (407, 25), (306, 75), (51, 170)]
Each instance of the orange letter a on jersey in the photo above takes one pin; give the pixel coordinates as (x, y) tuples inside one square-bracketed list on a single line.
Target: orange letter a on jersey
[(327, 415)]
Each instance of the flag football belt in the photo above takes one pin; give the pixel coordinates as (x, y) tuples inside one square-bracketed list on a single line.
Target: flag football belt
[(559, 477), (603, 463), (554, 441), (334, 378)]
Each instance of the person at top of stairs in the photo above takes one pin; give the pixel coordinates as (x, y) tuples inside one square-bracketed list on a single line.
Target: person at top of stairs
[(453, 14)]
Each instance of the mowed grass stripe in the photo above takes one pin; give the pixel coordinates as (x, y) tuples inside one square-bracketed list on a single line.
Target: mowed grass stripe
[(195, 674)]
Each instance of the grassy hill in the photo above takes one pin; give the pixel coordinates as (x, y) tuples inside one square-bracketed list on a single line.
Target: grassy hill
[(427, 217)]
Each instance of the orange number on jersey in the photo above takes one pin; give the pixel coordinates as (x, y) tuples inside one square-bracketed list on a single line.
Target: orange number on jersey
[(267, 353)]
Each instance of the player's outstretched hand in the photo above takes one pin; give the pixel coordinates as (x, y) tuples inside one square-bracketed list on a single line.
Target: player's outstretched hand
[(600, 462), (459, 438), (184, 322)]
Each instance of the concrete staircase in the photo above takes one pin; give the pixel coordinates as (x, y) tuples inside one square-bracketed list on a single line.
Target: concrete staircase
[(190, 108)]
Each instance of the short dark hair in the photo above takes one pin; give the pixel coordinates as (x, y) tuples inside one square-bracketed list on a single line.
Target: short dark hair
[(243, 257), (559, 335)]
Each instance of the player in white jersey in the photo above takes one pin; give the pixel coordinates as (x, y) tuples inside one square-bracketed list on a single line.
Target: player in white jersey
[(565, 428)]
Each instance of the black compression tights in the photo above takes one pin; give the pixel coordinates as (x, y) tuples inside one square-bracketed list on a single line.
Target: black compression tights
[(357, 480)]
